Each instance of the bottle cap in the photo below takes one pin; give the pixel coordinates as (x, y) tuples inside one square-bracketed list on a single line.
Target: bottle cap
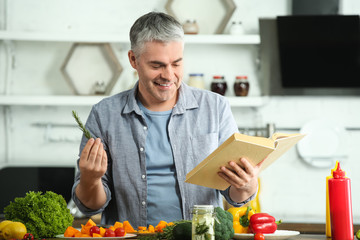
[(338, 173), (336, 165)]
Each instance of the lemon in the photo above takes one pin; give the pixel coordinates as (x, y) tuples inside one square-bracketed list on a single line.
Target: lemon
[(15, 230), (2, 225)]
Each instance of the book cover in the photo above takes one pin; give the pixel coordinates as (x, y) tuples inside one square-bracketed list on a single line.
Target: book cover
[(254, 149)]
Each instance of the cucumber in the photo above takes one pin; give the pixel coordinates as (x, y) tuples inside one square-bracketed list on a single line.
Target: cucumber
[(182, 231)]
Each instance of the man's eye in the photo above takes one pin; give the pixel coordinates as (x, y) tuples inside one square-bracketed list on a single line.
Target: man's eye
[(156, 66)]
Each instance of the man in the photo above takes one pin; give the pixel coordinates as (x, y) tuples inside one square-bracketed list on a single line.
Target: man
[(149, 137)]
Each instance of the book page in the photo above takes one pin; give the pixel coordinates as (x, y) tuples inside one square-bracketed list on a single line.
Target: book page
[(268, 142), (283, 144)]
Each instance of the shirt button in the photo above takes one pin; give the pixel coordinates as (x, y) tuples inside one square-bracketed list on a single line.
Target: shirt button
[(143, 176), (145, 127), (143, 203), (141, 149)]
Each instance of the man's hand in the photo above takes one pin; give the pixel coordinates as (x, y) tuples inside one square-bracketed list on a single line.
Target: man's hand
[(243, 179), (93, 161), (92, 166)]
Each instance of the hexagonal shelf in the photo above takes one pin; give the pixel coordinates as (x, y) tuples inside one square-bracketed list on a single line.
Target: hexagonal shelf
[(91, 68), (213, 20)]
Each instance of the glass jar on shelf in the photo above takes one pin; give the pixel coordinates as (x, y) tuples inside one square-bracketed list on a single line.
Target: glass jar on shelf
[(219, 84), (241, 86), (196, 80), (203, 222), (191, 27), (236, 28)]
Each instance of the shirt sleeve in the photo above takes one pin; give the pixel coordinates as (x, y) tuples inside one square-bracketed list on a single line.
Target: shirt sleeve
[(92, 124), (226, 195)]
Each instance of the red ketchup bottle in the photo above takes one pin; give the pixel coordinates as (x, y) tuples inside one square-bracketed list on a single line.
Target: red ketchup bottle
[(340, 206)]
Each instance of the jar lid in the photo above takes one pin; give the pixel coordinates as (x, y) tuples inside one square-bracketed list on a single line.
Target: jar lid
[(241, 77), (196, 74), (204, 206), (218, 77)]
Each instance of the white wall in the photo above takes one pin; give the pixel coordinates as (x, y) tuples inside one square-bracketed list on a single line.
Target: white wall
[(290, 189)]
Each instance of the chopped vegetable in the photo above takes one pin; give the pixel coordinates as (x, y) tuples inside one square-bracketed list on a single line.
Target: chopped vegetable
[(263, 223), (44, 215), (224, 225)]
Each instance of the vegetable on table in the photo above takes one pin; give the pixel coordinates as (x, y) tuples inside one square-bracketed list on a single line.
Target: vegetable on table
[(182, 231), (44, 215), (263, 223), (28, 236), (259, 236), (241, 218), (358, 234), (223, 225)]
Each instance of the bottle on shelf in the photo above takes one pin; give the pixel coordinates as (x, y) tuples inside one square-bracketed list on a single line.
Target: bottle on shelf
[(341, 217), (241, 86), (219, 85)]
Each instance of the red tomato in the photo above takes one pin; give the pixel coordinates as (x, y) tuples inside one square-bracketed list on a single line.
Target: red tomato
[(120, 232), (259, 236), (110, 233), (94, 229)]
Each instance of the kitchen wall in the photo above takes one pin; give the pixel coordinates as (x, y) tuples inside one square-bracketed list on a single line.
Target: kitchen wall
[(290, 189)]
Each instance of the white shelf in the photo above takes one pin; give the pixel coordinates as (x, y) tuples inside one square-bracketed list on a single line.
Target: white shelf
[(121, 38), (247, 101), (222, 39), (20, 100), (62, 37)]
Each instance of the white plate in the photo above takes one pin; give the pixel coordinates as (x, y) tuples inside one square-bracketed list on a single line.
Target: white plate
[(128, 235), (278, 234)]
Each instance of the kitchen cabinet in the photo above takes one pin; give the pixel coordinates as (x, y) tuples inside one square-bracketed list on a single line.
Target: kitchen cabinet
[(40, 91)]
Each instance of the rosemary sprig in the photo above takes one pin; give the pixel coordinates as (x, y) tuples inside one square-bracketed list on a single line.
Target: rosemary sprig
[(81, 125)]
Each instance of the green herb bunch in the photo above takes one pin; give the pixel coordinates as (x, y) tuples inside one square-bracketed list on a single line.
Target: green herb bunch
[(81, 125)]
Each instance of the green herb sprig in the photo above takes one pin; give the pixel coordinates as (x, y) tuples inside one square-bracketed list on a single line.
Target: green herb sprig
[(81, 125)]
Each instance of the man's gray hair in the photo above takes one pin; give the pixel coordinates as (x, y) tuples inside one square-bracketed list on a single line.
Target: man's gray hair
[(154, 26)]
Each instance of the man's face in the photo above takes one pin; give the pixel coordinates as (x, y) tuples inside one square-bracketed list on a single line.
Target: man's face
[(160, 69)]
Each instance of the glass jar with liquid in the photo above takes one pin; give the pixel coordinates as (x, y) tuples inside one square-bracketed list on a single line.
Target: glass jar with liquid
[(203, 222), (219, 85), (241, 86), (196, 80)]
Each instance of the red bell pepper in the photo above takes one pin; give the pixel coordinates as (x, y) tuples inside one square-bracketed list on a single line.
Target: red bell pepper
[(263, 223)]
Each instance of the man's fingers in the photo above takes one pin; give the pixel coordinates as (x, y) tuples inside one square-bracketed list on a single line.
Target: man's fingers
[(86, 150)]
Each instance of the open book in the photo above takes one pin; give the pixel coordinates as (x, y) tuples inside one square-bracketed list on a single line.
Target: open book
[(254, 149)]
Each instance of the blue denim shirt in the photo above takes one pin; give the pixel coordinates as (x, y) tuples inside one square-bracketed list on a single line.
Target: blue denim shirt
[(199, 123)]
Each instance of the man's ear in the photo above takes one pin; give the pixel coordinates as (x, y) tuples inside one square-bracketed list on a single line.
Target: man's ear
[(132, 58)]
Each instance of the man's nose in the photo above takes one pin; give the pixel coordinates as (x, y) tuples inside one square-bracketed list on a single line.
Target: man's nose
[(167, 73)]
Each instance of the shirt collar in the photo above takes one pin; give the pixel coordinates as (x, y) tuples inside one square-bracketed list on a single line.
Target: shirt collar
[(185, 101)]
